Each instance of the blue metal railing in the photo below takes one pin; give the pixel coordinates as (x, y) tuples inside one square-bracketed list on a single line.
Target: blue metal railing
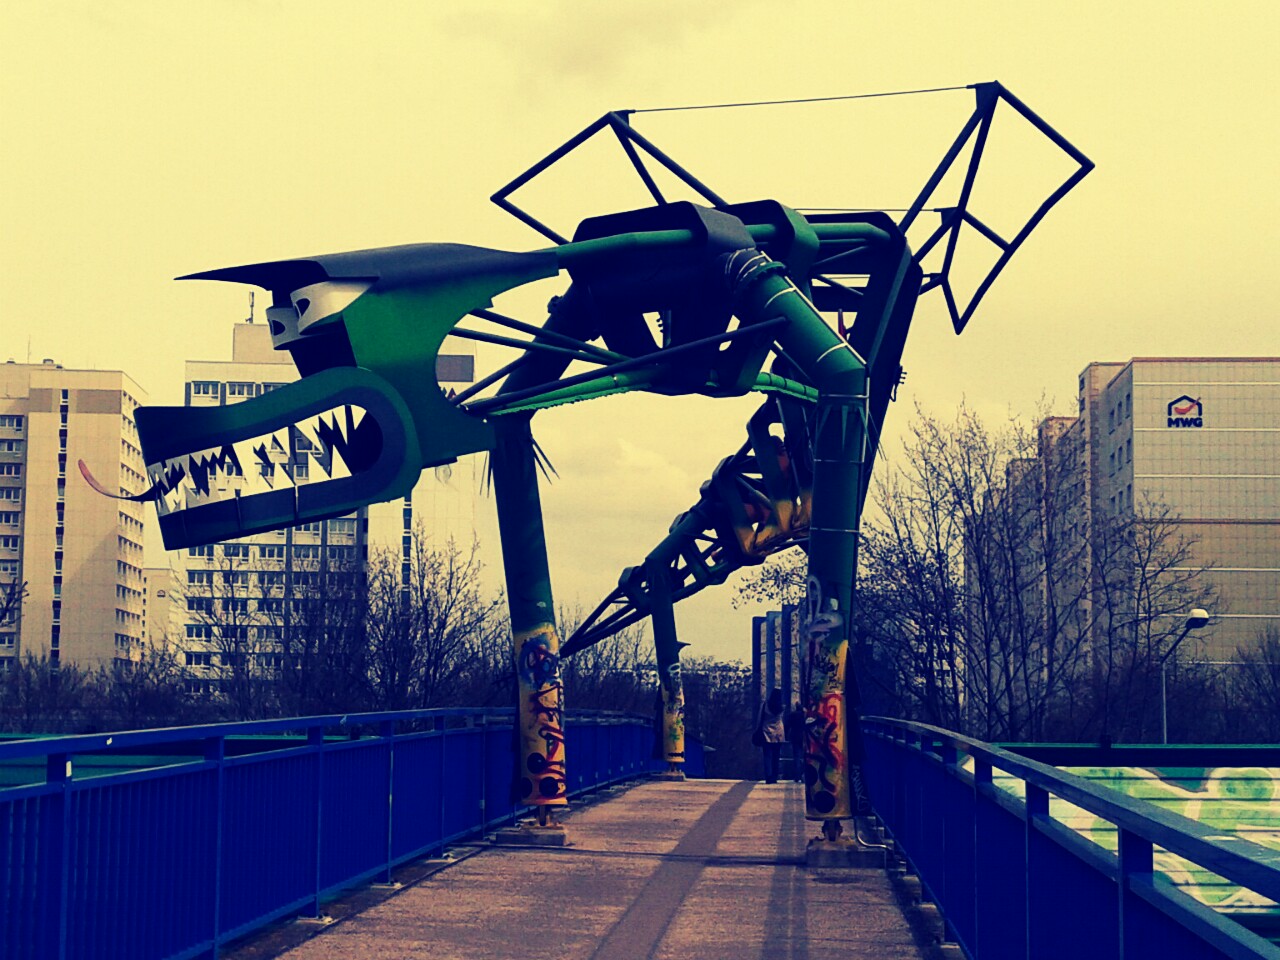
[(1012, 881), (224, 829)]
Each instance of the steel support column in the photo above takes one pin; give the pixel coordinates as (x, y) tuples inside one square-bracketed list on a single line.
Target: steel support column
[(667, 648), (763, 291), (540, 778)]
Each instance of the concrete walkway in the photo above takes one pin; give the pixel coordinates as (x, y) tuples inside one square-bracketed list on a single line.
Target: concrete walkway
[(704, 868)]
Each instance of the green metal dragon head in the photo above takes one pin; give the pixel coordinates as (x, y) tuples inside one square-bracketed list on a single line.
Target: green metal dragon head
[(364, 329)]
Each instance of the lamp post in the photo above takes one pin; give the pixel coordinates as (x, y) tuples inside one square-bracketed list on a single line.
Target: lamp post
[(1196, 619)]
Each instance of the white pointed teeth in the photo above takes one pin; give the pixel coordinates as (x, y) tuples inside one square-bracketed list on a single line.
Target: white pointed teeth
[(315, 449)]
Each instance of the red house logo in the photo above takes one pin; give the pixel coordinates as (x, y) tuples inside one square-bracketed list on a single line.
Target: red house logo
[(1185, 412)]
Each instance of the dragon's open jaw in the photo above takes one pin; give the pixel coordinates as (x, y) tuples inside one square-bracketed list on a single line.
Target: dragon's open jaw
[(311, 450), (330, 446)]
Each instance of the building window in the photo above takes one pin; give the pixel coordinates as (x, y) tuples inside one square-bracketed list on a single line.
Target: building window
[(204, 388), (268, 605), (10, 543), (308, 528), (9, 421), (200, 604), (240, 390), (10, 493), (10, 446), (10, 469), (205, 551), (343, 526), (306, 553), (235, 605), (455, 368), (268, 387), (199, 658), (10, 518), (271, 551), (199, 631), (236, 550), (202, 578)]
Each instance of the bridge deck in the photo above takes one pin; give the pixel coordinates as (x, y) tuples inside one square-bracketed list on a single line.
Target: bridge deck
[(705, 868)]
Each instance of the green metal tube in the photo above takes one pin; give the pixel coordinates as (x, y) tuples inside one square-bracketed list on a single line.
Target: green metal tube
[(541, 754), (587, 251), (762, 290)]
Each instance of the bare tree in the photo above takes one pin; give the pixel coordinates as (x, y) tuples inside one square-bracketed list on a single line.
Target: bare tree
[(38, 695), (993, 600), (237, 647), (313, 637), (12, 593), (429, 623), (1254, 686)]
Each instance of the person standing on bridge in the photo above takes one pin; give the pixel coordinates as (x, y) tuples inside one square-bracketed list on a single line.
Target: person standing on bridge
[(770, 733), (794, 726)]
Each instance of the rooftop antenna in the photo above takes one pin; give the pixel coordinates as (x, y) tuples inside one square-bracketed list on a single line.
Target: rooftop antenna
[(250, 317)]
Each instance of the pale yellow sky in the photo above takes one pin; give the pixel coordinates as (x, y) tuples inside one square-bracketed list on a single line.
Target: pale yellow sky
[(147, 140)]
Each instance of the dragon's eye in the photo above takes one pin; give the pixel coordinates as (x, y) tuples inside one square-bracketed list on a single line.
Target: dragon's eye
[(318, 302)]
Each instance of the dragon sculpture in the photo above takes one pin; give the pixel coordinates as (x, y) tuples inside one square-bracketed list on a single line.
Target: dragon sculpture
[(743, 293)]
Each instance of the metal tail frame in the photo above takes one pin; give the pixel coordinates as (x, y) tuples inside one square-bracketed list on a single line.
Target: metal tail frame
[(988, 96)]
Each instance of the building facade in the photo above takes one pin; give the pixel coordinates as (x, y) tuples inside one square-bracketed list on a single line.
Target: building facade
[(78, 554), (1198, 440)]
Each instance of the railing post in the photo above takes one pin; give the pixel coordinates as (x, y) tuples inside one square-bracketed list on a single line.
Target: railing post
[(1135, 860), (55, 832), (315, 738), (945, 894), (442, 728), (387, 730), (215, 752), (982, 785), (1037, 808)]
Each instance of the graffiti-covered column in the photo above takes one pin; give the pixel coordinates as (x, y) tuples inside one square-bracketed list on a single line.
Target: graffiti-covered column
[(667, 648), (540, 778), (762, 291)]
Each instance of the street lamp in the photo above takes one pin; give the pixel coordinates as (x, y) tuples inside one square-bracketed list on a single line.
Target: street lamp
[(1196, 619)]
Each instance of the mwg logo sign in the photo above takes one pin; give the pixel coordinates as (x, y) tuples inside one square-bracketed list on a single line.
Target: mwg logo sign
[(1185, 412)]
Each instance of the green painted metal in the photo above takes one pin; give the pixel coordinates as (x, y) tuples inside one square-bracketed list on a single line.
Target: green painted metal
[(540, 775)]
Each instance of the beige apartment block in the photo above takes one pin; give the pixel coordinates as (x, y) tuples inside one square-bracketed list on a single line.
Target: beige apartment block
[(78, 553), (164, 605), (1198, 437)]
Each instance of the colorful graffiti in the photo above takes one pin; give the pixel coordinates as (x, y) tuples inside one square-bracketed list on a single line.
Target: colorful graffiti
[(673, 714), (1241, 801), (541, 702), (826, 755)]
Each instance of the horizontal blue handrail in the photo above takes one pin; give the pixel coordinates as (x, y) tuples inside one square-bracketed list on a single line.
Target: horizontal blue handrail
[(178, 855), (1012, 880)]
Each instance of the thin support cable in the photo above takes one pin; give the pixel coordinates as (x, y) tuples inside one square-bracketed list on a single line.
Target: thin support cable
[(778, 103)]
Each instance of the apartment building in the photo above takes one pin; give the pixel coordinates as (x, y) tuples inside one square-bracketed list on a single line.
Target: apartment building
[(164, 604), (1198, 437), (78, 553)]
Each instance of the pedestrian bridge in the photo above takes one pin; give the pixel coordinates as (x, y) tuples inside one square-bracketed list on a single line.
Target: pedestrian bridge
[(207, 841)]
